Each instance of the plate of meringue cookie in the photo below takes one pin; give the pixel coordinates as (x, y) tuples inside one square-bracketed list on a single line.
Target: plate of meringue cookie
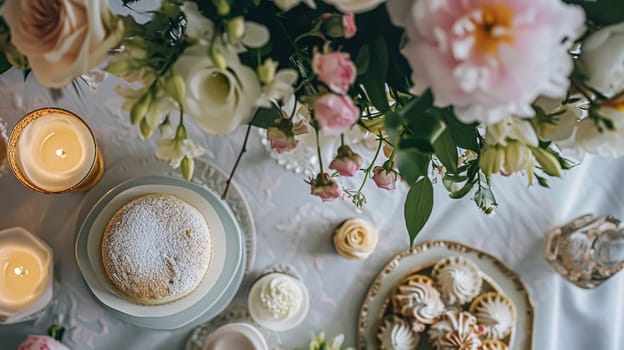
[(444, 295)]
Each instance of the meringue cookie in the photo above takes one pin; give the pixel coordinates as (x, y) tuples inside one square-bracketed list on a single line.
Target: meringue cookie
[(457, 330), (355, 239), (458, 279), (496, 313), (396, 334), (278, 302), (417, 299), (493, 345)]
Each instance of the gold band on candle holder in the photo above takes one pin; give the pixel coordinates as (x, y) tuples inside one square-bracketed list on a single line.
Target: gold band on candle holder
[(97, 167)]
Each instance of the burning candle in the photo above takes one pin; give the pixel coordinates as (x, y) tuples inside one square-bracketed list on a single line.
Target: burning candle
[(25, 272), (54, 151)]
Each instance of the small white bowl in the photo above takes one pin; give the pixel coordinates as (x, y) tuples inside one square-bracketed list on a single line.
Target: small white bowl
[(238, 336)]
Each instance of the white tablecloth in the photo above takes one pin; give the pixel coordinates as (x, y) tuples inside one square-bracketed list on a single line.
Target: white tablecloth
[(295, 228)]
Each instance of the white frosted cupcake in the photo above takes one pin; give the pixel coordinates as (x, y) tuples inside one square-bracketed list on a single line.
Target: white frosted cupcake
[(493, 345), (496, 313), (458, 279), (396, 334), (355, 239), (418, 300), (456, 330), (278, 302)]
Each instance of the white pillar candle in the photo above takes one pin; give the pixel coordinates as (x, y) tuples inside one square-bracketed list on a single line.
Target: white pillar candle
[(56, 151), (23, 276)]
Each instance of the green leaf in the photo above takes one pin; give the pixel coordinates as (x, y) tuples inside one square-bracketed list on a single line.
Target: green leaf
[(265, 117), (412, 165), (423, 131), (418, 105), (603, 12), (4, 63), (362, 61), (418, 206), (392, 123), (446, 150), (375, 79), (464, 135), (462, 192)]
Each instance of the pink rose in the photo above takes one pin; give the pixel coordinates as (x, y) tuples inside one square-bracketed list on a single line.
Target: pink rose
[(325, 187), (346, 162), (41, 342), (335, 69), (280, 141), (335, 114), (385, 179), (348, 25)]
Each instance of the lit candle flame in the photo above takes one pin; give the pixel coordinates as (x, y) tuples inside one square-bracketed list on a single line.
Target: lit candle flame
[(61, 153), (20, 271)]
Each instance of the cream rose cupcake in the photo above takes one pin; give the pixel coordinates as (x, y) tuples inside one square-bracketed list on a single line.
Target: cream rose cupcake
[(396, 334), (355, 239), (493, 345), (496, 313), (418, 300), (457, 330), (458, 279)]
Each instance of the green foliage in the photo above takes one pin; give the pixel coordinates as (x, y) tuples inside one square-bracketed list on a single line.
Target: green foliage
[(418, 207), (602, 12), (413, 165), (266, 117), (375, 79), (4, 63)]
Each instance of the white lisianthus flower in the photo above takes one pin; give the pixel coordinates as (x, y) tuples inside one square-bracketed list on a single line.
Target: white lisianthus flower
[(255, 35), (218, 99), (467, 52), (175, 150), (355, 6), (602, 59), (608, 143), (511, 128), (198, 26), (279, 89), (287, 5)]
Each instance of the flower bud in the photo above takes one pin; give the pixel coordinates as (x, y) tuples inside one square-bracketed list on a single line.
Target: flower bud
[(187, 167), (217, 58), (549, 163), (223, 7), (181, 133), (139, 110), (145, 129), (120, 67), (517, 157), (175, 88), (266, 71), (281, 141), (385, 178), (236, 28), (491, 159), (325, 187)]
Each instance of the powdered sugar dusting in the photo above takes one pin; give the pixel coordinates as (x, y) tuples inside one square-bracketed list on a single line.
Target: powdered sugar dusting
[(156, 249)]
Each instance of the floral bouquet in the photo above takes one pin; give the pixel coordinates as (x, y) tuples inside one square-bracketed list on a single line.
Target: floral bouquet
[(460, 91)]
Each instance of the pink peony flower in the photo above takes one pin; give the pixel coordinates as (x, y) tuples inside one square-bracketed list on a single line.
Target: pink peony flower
[(41, 342), (280, 141), (346, 162), (335, 69), (385, 179), (348, 25), (325, 187), (335, 114), (489, 58)]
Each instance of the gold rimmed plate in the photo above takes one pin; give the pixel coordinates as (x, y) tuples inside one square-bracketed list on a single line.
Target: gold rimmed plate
[(497, 276)]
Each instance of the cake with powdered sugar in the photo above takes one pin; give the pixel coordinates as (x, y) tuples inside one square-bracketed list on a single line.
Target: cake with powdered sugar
[(156, 249)]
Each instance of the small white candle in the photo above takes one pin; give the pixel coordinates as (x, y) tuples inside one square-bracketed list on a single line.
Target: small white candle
[(23, 276), (56, 151)]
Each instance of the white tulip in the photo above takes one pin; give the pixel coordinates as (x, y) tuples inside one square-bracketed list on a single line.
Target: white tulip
[(219, 100), (602, 58)]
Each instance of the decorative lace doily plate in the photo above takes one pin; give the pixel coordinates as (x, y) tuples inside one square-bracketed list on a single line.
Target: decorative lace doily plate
[(496, 275)]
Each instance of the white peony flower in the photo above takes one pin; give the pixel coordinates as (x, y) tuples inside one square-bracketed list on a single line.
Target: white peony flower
[(219, 100), (608, 143), (286, 5), (602, 58), (175, 150), (355, 6)]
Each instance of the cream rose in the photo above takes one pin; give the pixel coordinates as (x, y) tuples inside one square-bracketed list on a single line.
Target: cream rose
[(218, 99), (355, 239), (62, 38)]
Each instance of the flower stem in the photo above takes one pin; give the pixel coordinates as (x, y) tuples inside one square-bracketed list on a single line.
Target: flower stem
[(318, 151), (341, 139), (240, 155), (367, 171)]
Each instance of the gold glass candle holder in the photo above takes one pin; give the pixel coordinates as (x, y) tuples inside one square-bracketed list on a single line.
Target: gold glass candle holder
[(52, 150)]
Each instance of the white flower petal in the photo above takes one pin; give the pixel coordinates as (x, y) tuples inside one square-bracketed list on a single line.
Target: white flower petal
[(256, 35)]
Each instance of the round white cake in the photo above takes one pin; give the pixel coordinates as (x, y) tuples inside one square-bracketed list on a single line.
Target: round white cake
[(156, 249)]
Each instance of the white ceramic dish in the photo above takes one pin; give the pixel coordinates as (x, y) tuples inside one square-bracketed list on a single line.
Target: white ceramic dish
[(239, 336), (501, 277), (113, 298), (217, 297)]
